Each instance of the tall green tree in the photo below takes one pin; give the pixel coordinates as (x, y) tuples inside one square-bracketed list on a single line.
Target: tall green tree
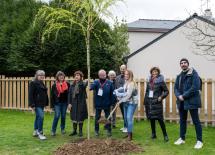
[(15, 18), (85, 14), (119, 38)]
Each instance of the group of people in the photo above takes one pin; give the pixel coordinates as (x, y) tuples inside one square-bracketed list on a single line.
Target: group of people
[(119, 91)]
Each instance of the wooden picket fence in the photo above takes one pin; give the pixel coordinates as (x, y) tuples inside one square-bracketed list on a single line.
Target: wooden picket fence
[(14, 95)]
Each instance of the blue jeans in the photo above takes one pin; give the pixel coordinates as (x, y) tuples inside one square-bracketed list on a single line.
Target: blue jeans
[(122, 111), (129, 110), (183, 122), (38, 123), (60, 110)]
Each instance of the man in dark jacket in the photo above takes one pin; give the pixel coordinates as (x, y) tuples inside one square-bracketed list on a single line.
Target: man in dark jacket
[(103, 98), (187, 92), (120, 81)]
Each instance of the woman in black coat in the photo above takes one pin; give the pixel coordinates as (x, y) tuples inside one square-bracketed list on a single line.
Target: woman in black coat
[(77, 103), (38, 100), (156, 91)]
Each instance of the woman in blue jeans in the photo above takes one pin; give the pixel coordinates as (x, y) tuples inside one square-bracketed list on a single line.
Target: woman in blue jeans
[(59, 102), (38, 100), (130, 101)]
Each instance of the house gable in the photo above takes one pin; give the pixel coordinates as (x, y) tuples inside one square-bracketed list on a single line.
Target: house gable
[(167, 33)]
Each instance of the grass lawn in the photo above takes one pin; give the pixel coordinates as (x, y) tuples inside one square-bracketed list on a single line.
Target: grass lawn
[(16, 136)]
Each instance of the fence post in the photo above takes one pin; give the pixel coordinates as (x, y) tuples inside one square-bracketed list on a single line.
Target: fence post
[(48, 85), (10, 92), (213, 101), (22, 93), (167, 105), (202, 110), (209, 99), (26, 92), (14, 93), (18, 93), (142, 95), (3, 91), (174, 112), (6, 92)]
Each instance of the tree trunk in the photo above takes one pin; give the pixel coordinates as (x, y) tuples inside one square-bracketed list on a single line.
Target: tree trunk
[(88, 72)]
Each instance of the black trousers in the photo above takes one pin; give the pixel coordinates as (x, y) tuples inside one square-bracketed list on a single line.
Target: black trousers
[(183, 122), (98, 116), (162, 125)]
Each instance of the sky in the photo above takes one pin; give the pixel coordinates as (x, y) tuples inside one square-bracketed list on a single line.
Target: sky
[(132, 10)]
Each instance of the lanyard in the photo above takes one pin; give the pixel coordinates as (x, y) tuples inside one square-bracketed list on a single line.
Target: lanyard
[(102, 85)]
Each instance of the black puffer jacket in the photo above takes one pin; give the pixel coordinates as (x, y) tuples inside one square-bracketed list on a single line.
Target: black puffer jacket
[(38, 96), (154, 108)]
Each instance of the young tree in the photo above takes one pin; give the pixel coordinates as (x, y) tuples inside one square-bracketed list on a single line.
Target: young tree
[(84, 14)]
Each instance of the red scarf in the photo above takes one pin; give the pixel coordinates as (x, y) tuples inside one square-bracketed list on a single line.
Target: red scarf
[(152, 82), (61, 87)]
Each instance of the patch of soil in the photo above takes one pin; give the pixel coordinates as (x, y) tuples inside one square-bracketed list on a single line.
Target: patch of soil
[(98, 147)]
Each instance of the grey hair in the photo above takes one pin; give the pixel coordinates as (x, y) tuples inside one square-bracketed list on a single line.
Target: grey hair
[(59, 73), (101, 70), (39, 73), (112, 72)]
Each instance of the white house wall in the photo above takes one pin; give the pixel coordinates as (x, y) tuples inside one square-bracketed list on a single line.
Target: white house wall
[(166, 54), (138, 39)]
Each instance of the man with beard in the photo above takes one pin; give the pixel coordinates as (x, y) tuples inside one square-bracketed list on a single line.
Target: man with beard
[(187, 91)]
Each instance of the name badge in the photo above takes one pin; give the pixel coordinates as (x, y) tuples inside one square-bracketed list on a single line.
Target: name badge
[(100, 92), (151, 94)]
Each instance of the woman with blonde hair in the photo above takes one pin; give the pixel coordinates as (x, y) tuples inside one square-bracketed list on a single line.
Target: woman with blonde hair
[(130, 101)]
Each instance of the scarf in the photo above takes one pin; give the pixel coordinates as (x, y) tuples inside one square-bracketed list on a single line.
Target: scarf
[(76, 89), (61, 87), (152, 82)]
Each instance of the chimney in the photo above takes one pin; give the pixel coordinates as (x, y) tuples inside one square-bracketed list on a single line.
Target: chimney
[(208, 14)]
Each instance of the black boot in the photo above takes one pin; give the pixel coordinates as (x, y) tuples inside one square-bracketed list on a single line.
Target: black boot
[(152, 121), (130, 136), (80, 134), (163, 128), (74, 130), (154, 136), (166, 139)]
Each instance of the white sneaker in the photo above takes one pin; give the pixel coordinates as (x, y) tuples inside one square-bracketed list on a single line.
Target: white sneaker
[(41, 137), (35, 133), (198, 145), (125, 130), (179, 141), (122, 129)]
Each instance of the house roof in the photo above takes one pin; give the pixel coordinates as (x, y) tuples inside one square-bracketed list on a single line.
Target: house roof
[(152, 24), (170, 31)]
